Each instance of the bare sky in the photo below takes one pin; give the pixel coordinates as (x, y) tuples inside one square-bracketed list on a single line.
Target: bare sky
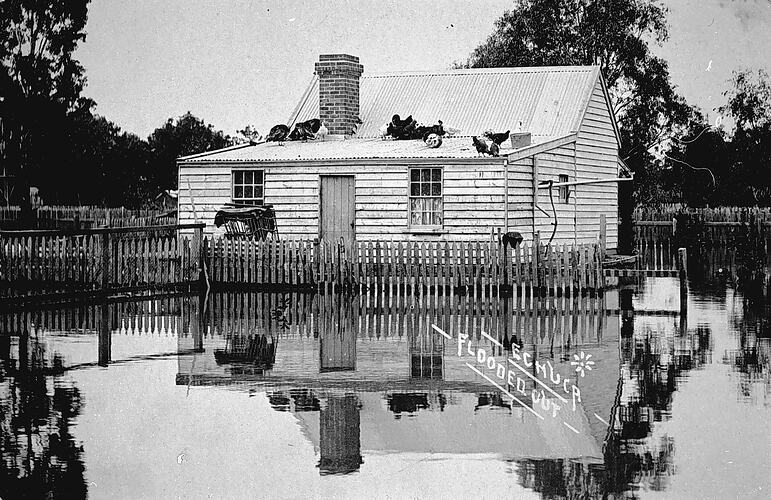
[(239, 62)]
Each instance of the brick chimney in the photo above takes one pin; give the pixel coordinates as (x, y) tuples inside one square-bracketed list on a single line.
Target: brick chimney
[(339, 92)]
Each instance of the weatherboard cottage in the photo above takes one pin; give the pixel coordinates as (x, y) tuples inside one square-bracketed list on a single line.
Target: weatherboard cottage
[(353, 184)]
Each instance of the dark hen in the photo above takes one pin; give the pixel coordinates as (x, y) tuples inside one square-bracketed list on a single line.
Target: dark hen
[(305, 130), (423, 132), (402, 129), (399, 123), (480, 145), (314, 124), (484, 148), (278, 133), (512, 239), (497, 138)]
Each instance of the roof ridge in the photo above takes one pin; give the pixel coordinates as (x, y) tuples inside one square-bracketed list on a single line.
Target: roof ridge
[(471, 71)]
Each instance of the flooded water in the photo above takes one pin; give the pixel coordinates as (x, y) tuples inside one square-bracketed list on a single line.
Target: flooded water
[(263, 395)]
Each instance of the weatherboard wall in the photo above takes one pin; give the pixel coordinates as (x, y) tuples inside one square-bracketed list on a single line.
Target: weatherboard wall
[(473, 196), (550, 165), (597, 158)]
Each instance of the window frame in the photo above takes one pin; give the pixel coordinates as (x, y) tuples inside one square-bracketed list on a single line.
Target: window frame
[(563, 190), (410, 197), (243, 201)]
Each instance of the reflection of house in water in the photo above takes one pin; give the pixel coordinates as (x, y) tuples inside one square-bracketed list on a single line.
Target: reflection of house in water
[(252, 354), (339, 435), (407, 402), (427, 356), (337, 351), (337, 337), (407, 390)]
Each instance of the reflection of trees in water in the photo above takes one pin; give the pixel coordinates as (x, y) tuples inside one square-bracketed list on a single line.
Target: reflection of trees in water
[(652, 364), (752, 360), (40, 458), (560, 478)]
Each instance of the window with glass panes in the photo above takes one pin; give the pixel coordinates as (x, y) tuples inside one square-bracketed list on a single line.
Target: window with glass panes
[(248, 187), (426, 197), (563, 189)]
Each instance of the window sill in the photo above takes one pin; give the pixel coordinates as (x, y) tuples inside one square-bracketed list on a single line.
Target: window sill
[(424, 230)]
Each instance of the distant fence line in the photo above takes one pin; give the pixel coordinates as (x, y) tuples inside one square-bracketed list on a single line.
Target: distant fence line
[(84, 217), (714, 214), (105, 260)]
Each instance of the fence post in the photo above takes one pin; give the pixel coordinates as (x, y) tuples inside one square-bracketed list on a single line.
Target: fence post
[(105, 337), (682, 263), (537, 257), (199, 256), (603, 236), (105, 260)]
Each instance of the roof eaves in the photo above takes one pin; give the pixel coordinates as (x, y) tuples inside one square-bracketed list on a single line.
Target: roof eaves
[(624, 168), (610, 110), (542, 147), (586, 98), (215, 151)]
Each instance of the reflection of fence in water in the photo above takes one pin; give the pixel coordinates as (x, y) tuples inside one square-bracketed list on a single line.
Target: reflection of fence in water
[(519, 319), (334, 317), (159, 316), (705, 262)]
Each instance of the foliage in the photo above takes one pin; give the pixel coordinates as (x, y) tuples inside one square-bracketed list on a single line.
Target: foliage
[(749, 99), (248, 134), (50, 136), (739, 160), (184, 136), (40, 81), (613, 34)]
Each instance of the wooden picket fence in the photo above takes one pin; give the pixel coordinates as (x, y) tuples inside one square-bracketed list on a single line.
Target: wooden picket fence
[(104, 260), (413, 266), (111, 260), (85, 217)]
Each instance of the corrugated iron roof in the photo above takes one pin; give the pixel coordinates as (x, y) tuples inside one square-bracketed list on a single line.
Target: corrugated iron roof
[(548, 100), (345, 149), (351, 149)]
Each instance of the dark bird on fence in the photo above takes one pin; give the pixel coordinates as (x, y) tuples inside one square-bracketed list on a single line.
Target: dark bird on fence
[(493, 149), (497, 138), (512, 239), (278, 133)]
